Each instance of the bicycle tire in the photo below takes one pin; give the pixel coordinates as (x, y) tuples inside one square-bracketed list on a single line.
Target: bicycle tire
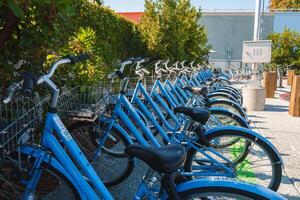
[(118, 157), (227, 104), (271, 153), (224, 82), (230, 92), (45, 182), (229, 89), (206, 193), (239, 121)]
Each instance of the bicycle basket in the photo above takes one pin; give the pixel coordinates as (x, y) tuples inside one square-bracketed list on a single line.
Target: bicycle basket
[(19, 120), (83, 103)]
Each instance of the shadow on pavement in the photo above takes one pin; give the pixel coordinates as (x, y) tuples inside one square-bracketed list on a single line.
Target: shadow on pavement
[(275, 108), (256, 116)]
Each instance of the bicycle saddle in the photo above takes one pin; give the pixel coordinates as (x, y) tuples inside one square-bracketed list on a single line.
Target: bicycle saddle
[(196, 89), (165, 159), (198, 114)]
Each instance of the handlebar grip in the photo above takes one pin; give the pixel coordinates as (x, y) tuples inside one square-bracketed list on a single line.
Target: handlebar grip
[(7, 99), (79, 58), (120, 74), (29, 81)]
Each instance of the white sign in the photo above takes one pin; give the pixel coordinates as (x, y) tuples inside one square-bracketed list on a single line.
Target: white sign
[(257, 51)]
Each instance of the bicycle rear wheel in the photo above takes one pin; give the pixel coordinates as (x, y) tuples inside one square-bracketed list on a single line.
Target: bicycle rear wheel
[(52, 184), (253, 159)]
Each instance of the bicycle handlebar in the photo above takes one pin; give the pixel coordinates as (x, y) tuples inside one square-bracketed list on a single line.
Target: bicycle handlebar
[(29, 80), (119, 72)]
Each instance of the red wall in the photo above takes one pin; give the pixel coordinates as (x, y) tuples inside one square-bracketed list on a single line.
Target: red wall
[(134, 17)]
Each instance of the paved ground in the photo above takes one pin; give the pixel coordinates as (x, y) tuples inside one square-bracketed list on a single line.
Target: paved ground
[(284, 132)]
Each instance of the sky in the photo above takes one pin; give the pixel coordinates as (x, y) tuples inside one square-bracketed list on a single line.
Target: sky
[(138, 5)]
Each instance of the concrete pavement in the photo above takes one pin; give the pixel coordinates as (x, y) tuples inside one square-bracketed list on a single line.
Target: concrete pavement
[(284, 132)]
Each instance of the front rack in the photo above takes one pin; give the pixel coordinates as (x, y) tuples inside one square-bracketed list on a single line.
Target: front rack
[(19, 121)]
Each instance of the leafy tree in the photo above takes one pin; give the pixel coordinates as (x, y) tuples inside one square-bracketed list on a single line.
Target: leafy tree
[(171, 30), (284, 4), (48, 28), (286, 49)]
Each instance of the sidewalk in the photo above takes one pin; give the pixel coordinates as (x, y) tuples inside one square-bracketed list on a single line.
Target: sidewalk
[(284, 132)]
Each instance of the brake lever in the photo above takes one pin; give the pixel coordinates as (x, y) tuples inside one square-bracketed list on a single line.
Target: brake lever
[(111, 75), (11, 90)]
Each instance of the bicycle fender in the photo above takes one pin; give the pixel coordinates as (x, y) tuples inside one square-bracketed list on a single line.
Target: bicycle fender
[(229, 102), (227, 182), (34, 152), (50, 160), (226, 95), (124, 133)]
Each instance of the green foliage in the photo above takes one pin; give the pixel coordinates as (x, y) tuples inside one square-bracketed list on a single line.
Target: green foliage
[(284, 4), (52, 28), (286, 49), (15, 8), (171, 30), (49, 29), (87, 73)]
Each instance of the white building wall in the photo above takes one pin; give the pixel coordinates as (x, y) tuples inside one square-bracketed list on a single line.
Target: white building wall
[(284, 20)]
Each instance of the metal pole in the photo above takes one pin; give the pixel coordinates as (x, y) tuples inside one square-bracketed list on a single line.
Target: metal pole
[(257, 20), (256, 33)]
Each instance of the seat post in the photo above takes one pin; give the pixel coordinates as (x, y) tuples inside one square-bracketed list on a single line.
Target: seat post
[(169, 185)]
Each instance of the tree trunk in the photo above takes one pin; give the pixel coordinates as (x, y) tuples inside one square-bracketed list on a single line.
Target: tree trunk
[(11, 23)]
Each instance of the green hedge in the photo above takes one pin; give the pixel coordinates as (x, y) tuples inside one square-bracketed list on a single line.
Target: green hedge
[(52, 28)]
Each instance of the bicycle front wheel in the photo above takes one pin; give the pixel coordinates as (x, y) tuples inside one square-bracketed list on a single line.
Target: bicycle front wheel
[(52, 185)]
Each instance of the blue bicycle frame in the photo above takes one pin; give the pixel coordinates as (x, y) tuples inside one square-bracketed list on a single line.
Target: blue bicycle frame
[(178, 136), (63, 162)]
